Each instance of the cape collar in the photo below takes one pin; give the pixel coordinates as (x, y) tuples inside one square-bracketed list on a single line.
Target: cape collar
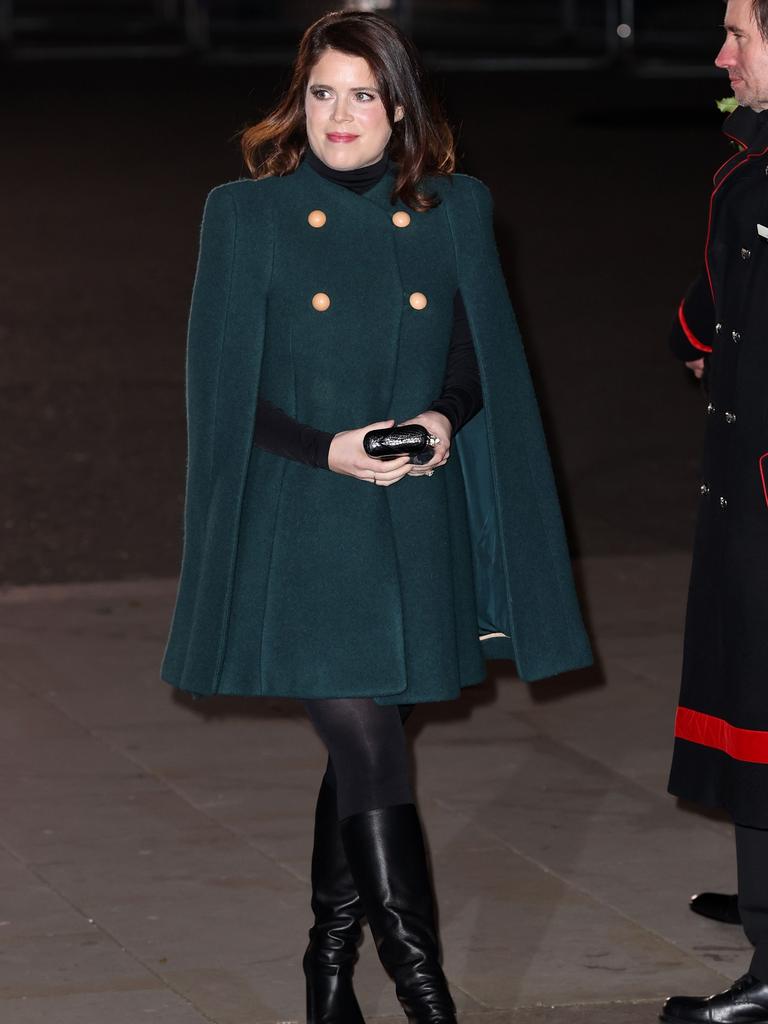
[(379, 195)]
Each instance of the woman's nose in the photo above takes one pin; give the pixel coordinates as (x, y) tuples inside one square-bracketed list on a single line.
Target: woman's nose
[(339, 112)]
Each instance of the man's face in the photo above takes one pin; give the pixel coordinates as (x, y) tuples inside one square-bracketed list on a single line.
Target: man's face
[(745, 56)]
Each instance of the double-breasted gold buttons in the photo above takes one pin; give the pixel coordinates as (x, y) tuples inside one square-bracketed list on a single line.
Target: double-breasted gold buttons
[(321, 302), (418, 300), (317, 219), (401, 219)]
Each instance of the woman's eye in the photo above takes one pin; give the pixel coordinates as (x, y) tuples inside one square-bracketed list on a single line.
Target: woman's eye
[(364, 97), (319, 94)]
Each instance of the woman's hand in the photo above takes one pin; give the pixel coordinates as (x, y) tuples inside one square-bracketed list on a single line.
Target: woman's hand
[(439, 426), (347, 456)]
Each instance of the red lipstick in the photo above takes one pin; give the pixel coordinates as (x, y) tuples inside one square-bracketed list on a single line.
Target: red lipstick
[(340, 137)]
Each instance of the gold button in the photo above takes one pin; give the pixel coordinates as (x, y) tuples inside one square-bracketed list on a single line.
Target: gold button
[(418, 300), (401, 219), (317, 219), (321, 302)]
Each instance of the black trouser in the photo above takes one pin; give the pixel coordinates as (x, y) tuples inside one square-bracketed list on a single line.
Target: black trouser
[(752, 859), (367, 756)]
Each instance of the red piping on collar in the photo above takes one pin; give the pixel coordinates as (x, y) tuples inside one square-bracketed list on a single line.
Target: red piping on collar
[(736, 139), (762, 476), (749, 745), (718, 186), (689, 333)]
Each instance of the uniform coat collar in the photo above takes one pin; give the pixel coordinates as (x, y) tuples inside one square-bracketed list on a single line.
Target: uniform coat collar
[(747, 127)]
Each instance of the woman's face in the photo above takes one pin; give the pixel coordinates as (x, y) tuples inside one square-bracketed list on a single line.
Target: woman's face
[(347, 125)]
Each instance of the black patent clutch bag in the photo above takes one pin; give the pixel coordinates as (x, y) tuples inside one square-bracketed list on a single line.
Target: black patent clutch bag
[(392, 442)]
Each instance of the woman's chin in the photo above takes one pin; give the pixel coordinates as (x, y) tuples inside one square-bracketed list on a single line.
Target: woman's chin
[(341, 161)]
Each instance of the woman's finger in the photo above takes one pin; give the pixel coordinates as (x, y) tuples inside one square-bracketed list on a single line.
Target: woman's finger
[(398, 475), (388, 469), (384, 466), (381, 482), (423, 470), (428, 468)]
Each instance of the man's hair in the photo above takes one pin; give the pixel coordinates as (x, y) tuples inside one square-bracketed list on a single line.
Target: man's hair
[(760, 10)]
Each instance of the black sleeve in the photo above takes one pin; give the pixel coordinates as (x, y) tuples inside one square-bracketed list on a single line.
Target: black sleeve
[(462, 394), (694, 326), (277, 432)]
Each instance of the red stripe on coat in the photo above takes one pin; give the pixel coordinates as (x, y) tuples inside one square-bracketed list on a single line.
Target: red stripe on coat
[(688, 332), (706, 730)]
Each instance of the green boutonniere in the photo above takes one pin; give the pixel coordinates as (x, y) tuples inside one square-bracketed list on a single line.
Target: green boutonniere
[(728, 105)]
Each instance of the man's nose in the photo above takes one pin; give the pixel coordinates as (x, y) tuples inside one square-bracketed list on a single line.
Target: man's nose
[(726, 57)]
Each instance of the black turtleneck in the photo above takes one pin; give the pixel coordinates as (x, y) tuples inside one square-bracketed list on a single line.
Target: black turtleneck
[(461, 398), (359, 180)]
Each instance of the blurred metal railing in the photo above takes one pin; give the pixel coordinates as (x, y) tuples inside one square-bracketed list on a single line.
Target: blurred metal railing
[(677, 36)]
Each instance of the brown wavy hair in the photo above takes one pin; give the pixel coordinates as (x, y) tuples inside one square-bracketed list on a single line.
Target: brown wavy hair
[(422, 143)]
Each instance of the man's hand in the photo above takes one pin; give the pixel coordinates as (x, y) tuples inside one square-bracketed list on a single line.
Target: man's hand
[(696, 366)]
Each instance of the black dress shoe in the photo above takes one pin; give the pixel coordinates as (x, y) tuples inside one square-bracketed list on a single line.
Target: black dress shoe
[(745, 1002), (718, 906)]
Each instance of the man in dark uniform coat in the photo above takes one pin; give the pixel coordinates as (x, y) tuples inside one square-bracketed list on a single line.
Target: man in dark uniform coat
[(721, 729)]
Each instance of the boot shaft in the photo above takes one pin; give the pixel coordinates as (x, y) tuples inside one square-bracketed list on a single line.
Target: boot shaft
[(336, 905), (335, 935), (385, 851)]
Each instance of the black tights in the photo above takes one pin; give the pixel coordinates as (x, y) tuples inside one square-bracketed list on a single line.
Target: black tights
[(367, 757)]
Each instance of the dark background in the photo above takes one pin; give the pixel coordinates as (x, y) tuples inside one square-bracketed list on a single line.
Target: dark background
[(117, 118)]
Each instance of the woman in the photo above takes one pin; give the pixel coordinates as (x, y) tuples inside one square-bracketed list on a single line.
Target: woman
[(353, 285)]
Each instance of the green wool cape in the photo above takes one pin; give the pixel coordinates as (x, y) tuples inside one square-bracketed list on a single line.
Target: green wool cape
[(300, 582)]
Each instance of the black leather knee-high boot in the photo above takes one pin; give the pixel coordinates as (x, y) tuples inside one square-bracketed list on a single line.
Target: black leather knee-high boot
[(334, 937), (385, 850)]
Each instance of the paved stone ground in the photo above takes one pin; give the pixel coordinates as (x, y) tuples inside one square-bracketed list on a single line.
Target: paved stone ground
[(154, 853)]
